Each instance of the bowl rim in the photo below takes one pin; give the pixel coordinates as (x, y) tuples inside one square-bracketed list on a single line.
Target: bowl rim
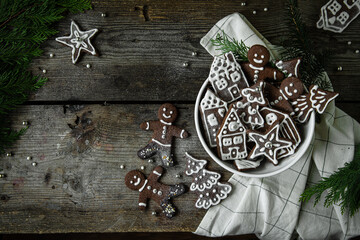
[(197, 120)]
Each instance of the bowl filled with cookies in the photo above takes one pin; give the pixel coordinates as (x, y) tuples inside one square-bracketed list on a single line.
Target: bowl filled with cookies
[(257, 119)]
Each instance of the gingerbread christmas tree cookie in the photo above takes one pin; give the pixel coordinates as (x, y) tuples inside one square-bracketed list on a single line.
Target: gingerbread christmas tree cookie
[(163, 133), (150, 188), (205, 183)]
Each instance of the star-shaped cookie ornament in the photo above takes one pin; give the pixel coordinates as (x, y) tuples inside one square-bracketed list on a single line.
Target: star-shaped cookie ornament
[(78, 41), (268, 144)]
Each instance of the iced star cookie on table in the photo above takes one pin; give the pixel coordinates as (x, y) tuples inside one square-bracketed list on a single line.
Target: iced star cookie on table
[(205, 183), (78, 41), (150, 188), (212, 110), (227, 77), (163, 133)]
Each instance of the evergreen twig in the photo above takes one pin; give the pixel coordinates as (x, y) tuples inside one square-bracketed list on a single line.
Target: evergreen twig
[(24, 26), (226, 44), (342, 186)]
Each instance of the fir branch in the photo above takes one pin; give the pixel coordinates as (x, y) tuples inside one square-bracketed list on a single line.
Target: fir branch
[(225, 44), (342, 186)]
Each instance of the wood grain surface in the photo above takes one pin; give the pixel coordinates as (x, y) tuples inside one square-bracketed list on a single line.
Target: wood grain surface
[(79, 143)]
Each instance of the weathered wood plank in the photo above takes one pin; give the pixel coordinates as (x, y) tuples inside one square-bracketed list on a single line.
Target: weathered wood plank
[(77, 185), (142, 46)]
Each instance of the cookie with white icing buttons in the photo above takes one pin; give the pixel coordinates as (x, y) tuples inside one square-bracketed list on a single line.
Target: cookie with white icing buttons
[(150, 188), (290, 67), (268, 144), (256, 68), (227, 77), (317, 99), (205, 183), (212, 110), (231, 138), (163, 133)]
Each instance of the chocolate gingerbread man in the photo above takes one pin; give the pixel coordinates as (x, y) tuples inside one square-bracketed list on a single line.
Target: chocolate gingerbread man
[(256, 68), (150, 188), (164, 131)]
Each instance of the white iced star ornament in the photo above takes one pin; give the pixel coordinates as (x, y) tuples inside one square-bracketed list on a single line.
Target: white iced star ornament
[(78, 40)]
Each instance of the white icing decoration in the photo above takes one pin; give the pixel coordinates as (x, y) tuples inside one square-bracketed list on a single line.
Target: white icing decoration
[(157, 173), (271, 118), (182, 133), (211, 118), (320, 106), (223, 191), (166, 116), (142, 188), (142, 204), (199, 165), (246, 164), (78, 41), (137, 182), (211, 179)]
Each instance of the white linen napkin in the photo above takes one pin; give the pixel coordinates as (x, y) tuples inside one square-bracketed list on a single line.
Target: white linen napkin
[(270, 207)]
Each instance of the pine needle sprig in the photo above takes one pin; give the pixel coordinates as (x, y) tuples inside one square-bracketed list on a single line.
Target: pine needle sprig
[(342, 186), (227, 44), (24, 26)]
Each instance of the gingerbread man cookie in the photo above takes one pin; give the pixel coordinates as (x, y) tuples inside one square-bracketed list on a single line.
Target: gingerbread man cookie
[(150, 188), (256, 68), (164, 131)]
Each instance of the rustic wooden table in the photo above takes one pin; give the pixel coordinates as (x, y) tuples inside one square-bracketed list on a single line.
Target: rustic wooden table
[(79, 142)]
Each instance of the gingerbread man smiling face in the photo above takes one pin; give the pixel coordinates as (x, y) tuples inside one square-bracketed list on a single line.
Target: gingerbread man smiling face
[(258, 56), (167, 113)]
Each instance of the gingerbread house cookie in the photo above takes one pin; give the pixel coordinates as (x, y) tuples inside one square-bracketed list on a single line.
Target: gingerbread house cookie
[(213, 111), (227, 77), (231, 138)]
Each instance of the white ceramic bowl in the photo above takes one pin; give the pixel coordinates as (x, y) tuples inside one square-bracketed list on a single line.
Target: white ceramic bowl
[(266, 169)]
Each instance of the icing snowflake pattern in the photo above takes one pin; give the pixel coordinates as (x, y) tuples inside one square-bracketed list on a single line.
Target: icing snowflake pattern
[(78, 41)]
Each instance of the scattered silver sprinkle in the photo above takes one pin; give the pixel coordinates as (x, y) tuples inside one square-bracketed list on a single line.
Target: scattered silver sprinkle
[(150, 161), (51, 55), (103, 14), (44, 71), (349, 42), (28, 157), (357, 51), (178, 175), (254, 12), (9, 154), (142, 167), (122, 166), (2, 175), (265, 9), (243, 4), (88, 65), (194, 54), (185, 64), (34, 164), (154, 213), (339, 68), (25, 123)]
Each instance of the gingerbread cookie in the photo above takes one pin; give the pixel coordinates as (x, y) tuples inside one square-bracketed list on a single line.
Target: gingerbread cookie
[(205, 183), (290, 68), (227, 77), (287, 129), (213, 111), (231, 138), (164, 131), (244, 164), (268, 144), (317, 99), (150, 188), (256, 68)]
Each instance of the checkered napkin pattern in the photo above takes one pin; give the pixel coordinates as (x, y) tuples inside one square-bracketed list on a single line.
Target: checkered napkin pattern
[(270, 207)]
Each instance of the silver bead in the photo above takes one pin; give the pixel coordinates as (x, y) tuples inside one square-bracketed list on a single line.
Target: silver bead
[(150, 161), (194, 54), (51, 55), (349, 42), (28, 157), (88, 65), (178, 176), (243, 4), (9, 154), (2, 175), (44, 71), (34, 164), (25, 123), (154, 213), (185, 64), (122, 166), (103, 14), (357, 51), (265, 9), (339, 68), (254, 12), (142, 167)]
